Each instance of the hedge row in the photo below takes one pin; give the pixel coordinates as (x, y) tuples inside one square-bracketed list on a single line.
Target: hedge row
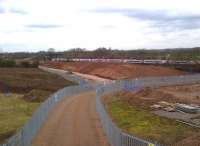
[(12, 63)]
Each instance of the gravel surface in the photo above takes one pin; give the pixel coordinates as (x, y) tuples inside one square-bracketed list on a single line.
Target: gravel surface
[(73, 122)]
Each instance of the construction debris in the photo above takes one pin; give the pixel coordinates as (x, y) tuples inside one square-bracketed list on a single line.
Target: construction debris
[(169, 109), (166, 104), (156, 106), (187, 108)]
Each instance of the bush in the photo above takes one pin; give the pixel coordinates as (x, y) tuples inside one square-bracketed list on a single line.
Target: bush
[(12, 63), (35, 64), (7, 63), (27, 64)]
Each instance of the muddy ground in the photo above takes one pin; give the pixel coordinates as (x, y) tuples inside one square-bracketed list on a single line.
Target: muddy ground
[(187, 94)]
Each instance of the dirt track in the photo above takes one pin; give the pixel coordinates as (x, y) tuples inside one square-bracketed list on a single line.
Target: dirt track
[(73, 122)]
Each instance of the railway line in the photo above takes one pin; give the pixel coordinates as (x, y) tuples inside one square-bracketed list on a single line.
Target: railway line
[(131, 61)]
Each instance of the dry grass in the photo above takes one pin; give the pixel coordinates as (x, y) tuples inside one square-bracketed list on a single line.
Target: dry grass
[(31, 82)]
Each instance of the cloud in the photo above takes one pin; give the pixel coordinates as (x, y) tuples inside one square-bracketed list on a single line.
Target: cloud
[(2, 0), (12, 10), (162, 19), (43, 26), (17, 11), (7, 6), (2, 10), (108, 27), (129, 24)]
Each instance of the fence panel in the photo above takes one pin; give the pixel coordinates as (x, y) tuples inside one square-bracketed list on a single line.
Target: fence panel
[(25, 135), (115, 135)]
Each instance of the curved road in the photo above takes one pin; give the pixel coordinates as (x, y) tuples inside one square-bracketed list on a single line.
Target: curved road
[(73, 122)]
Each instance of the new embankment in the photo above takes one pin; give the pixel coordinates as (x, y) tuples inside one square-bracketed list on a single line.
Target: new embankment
[(69, 117)]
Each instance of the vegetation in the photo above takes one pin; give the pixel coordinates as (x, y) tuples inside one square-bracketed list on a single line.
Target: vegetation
[(166, 54), (35, 84), (14, 112), (21, 92), (144, 124), (185, 67), (7, 63), (172, 54), (12, 63), (27, 64)]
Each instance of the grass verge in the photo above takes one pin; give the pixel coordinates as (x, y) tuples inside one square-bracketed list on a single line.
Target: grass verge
[(142, 123), (27, 88), (14, 112)]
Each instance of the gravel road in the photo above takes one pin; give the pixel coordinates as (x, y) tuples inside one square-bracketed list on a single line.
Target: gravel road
[(73, 122)]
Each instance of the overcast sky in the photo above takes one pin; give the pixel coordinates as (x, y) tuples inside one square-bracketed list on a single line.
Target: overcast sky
[(33, 25)]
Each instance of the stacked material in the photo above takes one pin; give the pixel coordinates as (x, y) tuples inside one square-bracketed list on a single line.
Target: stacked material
[(187, 108)]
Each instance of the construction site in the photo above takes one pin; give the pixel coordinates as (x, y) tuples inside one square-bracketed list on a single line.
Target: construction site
[(176, 105), (99, 73), (119, 103), (115, 71)]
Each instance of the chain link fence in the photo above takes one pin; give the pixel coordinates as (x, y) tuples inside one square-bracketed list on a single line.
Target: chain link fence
[(115, 135)]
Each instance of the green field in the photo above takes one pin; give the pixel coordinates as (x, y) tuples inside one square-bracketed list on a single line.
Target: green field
[(21, 92), (144, 124), (14, 112)]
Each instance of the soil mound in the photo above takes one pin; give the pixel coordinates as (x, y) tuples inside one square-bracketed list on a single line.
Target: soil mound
[(115, 70)]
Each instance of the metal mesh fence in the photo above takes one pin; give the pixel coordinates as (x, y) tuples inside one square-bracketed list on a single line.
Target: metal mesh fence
[(65, 75), (115, 136), (25, 135)]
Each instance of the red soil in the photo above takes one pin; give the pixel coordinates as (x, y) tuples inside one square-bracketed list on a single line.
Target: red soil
[(115, 70)]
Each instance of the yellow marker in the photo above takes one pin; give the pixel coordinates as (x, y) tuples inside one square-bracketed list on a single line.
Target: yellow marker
[(151, 144)]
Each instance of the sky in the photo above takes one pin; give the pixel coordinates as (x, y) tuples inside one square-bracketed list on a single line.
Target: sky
[(35, 25)]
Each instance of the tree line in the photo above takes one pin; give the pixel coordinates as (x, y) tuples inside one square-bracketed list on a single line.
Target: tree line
[(165, 54), (13, 63), (102, 52)]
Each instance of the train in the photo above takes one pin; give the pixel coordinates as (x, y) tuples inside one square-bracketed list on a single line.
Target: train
[(130, 61)]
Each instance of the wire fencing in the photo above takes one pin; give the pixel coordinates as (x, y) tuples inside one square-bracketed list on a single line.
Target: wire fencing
[(65, 74), (115, 135), (25, 135)]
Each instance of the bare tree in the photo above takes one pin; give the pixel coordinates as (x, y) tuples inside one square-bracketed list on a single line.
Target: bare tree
[(51, 50)]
